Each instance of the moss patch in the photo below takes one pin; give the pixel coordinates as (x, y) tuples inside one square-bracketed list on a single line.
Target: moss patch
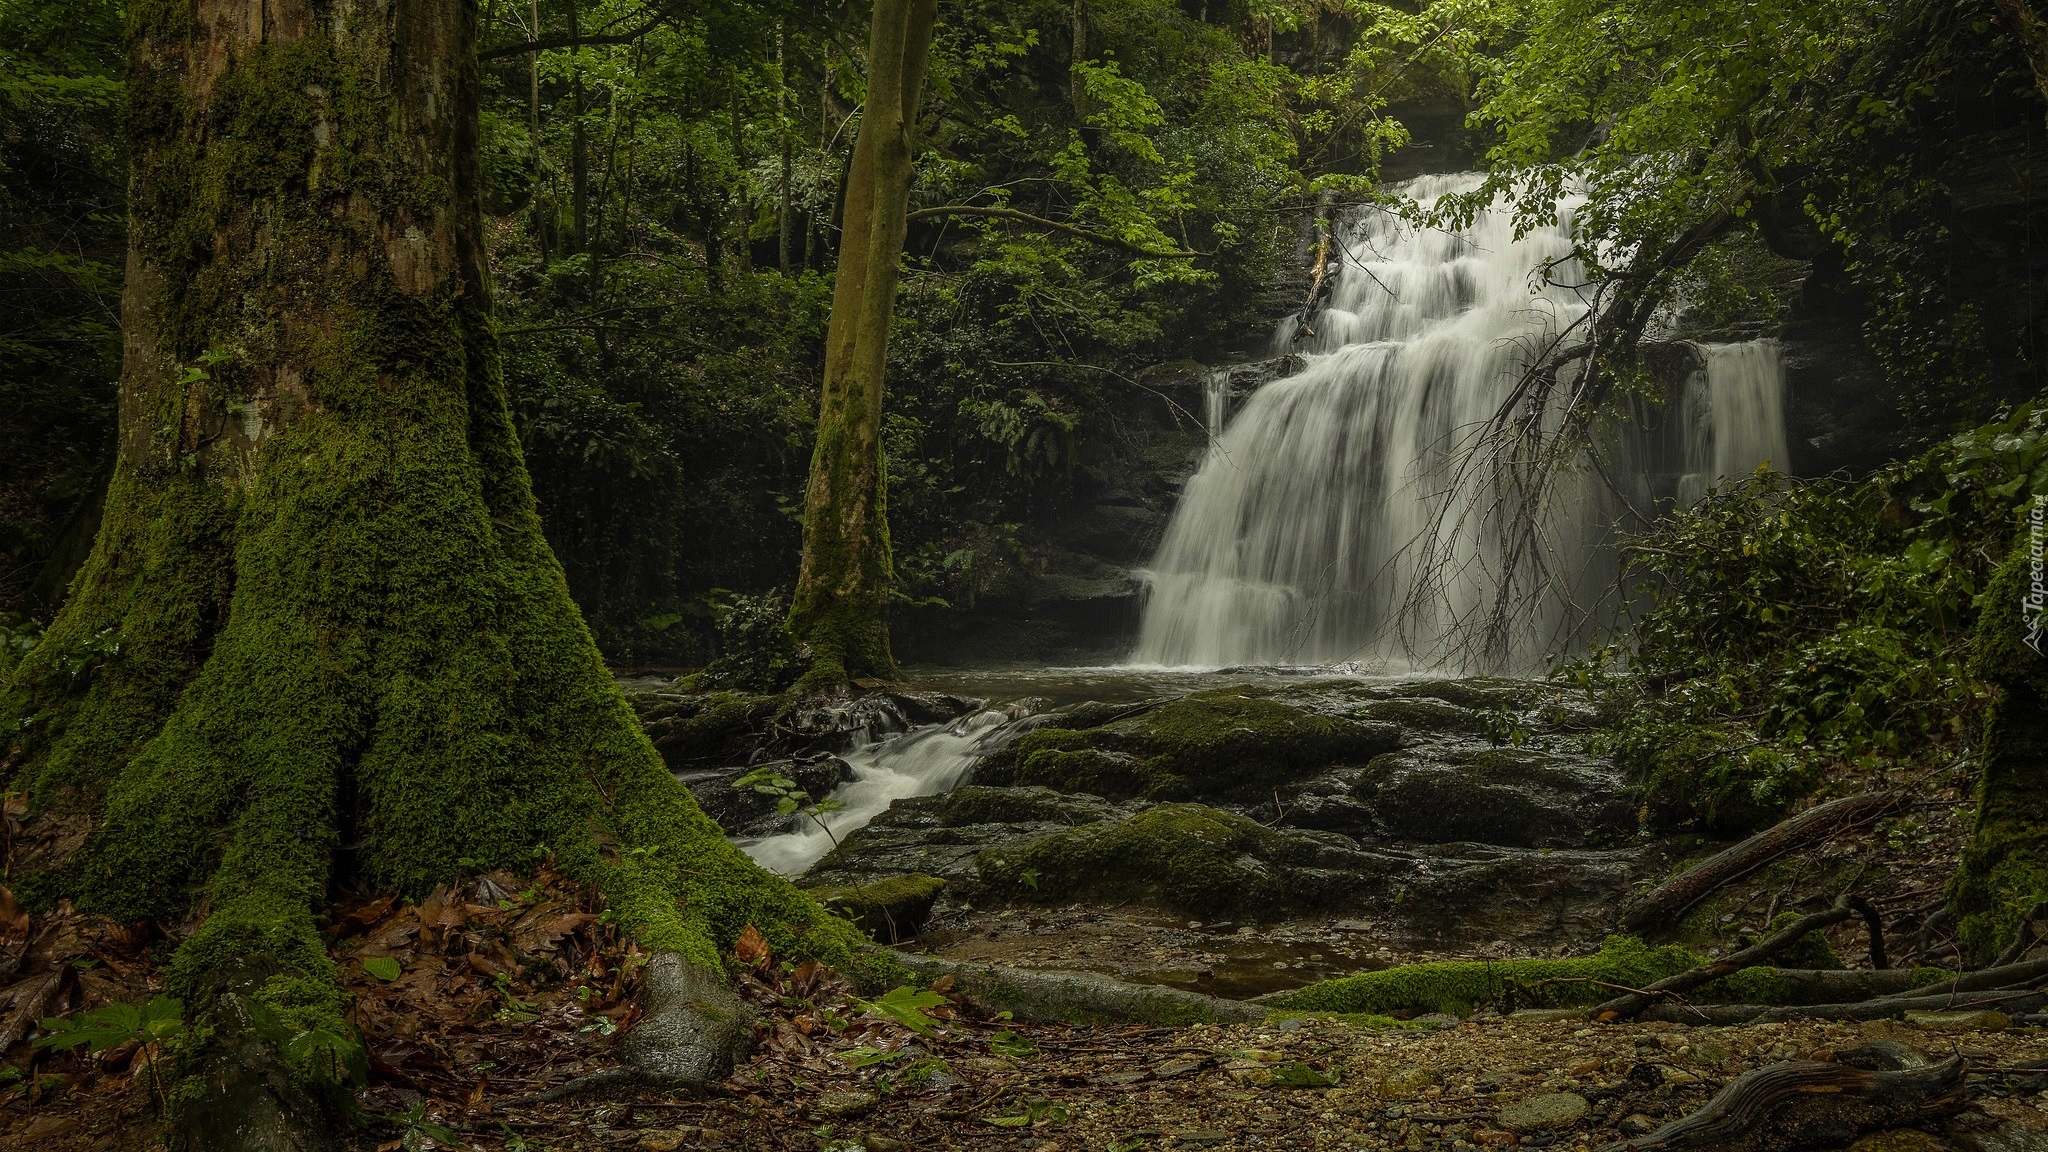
[(889, 909), (1184, 856), (1216, 743), (1457, 986)]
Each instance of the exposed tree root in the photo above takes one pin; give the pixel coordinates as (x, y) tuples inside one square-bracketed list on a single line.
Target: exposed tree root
[(1801, 1105), (1673, 898), (1082, 997), (1631, 1004)]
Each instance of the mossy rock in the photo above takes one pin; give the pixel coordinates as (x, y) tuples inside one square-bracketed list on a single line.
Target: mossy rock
[(1455, 987), (709, 729), (890, 909), (1183, 856), (1507, 796), (1220, 743), (980, 804)]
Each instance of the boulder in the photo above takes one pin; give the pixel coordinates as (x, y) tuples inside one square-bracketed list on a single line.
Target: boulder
[(1516, 797)]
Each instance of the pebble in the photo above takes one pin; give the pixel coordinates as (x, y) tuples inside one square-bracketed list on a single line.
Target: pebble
[(1551, 1110), (875, 1143), (1405, 1082), (846, 1102), (1964, 1021)]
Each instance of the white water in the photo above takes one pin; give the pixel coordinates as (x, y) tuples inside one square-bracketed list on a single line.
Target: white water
[(1734, 414), (915, 763), (1295, 541)]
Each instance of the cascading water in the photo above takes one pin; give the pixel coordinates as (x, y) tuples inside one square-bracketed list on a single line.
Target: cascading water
[(1734, 414), (1297, 540), (915, 763)]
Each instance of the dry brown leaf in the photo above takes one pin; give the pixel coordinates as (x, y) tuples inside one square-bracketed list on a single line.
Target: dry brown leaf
[(752, 948)]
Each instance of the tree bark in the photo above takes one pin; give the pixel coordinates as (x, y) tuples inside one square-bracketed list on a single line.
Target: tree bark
[(843, 586), (320, 631), (2004, 869)]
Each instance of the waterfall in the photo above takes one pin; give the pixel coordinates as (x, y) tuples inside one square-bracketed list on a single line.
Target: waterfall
[(1733, 414), (1296, 540)]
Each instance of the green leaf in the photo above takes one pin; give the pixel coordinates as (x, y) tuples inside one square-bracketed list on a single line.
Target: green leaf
[(906, 1005), (383, 968)]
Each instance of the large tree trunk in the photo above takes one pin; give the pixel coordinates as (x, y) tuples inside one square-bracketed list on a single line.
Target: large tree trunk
[(320, 623), (844, 583), (2004, 870)]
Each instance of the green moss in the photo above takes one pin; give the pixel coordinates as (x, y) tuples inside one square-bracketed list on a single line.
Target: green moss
[(978, 804), (1224, 741), (709, 727), (890, 908), (1457, 986), (320, 625), (1186, 856), (2004, 869)]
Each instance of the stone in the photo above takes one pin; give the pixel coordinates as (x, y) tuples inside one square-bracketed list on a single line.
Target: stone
[(844, 1102), (1980, 1020), (1513, 797), (1547, 1015), (1636, 1124), (1403, 1082), (875, 1142), (1899, 1140), (1201, 1139), (665, 1139), (1550, 1110)]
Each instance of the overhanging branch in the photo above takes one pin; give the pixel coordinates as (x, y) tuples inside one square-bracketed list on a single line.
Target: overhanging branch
[(1102, 238)]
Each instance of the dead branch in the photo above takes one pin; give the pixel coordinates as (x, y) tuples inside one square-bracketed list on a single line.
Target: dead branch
[(2010, 1001), (1625, 1007), (1676, 896), (1802, 1104)]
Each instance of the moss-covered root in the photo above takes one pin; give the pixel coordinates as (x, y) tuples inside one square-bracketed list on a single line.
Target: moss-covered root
[(1456, 987), (2004, 870), (1083, 997)]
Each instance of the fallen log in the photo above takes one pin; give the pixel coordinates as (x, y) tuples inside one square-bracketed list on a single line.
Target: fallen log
[(1630, 1004), (1802, 1104), (1673, 898), (2008, 1001)]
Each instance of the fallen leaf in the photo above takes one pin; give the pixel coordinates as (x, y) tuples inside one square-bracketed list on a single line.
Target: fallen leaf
[(752, 948)]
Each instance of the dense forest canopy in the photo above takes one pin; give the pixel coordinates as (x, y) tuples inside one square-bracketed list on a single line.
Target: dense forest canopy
[(663, 185)]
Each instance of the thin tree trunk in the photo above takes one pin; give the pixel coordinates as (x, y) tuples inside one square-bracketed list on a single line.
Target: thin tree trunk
[(579, 150), (2027, 27), (542, 227), (782, 132), (844, 583)]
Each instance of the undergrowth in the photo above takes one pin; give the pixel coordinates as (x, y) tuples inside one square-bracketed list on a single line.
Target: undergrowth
[(1791, 633)]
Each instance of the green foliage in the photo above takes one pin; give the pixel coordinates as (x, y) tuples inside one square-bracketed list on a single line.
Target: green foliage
[(906, 1006), (756, 651), (383, 968), (1796, 627), (62, 172), (114, 1025), (1458, 986)]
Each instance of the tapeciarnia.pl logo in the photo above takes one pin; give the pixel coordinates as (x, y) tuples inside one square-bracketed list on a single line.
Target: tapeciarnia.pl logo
[(2035, 608)]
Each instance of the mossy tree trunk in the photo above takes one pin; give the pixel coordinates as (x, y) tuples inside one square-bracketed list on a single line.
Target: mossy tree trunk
[(843, 587), (320, 635), (2004, 870)]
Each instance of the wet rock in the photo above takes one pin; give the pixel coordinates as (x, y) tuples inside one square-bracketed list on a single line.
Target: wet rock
[(1551, 1110), (745, 812), (699, 730), (891, 908), (1185, 856), (1517, 797), (1217, 744)]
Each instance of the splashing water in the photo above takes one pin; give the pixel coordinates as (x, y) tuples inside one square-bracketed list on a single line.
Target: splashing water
[(919, 762)]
